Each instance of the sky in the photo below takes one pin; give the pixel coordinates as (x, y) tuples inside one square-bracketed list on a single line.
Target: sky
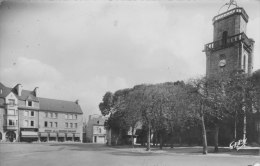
[(76, 49)]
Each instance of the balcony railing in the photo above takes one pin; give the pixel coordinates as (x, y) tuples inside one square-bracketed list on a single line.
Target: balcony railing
[(219, 44), (5, 115), (238, 10), (10, 104), (10, 127)]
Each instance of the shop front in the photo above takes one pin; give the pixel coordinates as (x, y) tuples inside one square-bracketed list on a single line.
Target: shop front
[(53, 137), (61, 137), (44, 137), (29, 134), (77, 137), (70, 137)]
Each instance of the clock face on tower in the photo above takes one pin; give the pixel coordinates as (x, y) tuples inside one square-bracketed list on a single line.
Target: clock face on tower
[(222, 63)]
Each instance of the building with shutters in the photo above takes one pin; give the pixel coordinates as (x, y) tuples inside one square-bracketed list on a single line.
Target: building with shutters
[(24, 116)]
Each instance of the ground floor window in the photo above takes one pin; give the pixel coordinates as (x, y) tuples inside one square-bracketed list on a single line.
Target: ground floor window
[(76, 139), (61, 139), (0, 136), (28, 139), (43, 139), (69, 139), (52, 139)]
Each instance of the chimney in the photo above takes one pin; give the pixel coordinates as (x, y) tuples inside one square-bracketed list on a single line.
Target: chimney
[(19, 89), (77, 101), (36, 91)]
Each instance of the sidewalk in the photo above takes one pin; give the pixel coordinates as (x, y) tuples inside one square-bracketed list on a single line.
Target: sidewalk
[(196, 150)]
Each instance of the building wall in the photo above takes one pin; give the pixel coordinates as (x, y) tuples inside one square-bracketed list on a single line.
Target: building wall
[(24, 103), (2, 110), (61, 123), (26, 115), (10, 114), (234, 24), (96, 123), (22, 120), (232, 61)]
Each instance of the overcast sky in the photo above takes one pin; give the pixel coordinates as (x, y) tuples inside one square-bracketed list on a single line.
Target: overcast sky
[(81, 49)]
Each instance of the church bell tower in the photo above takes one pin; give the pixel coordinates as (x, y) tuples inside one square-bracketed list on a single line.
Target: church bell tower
[(231, 49)]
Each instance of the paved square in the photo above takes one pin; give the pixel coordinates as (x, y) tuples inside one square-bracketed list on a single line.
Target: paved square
[(101, 155)]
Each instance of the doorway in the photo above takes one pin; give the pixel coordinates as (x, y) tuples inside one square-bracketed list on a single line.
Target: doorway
[(10, 136)]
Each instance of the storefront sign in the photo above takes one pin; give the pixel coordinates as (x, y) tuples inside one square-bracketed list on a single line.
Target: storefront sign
[(60, 131)]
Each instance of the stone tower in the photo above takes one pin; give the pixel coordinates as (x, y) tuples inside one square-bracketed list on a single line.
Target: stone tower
[(231, 49)]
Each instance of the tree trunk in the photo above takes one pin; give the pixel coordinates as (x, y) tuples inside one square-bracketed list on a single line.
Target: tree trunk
[(148, 139), (161, 141), (216, 137), (204, 135), (154, 138), (171, 139), (132, 138), (235, 126), (244, 127), (244, 109), (180, 139)]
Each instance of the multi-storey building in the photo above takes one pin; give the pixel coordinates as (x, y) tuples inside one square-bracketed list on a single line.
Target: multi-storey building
[(96, 131), (24, 116)]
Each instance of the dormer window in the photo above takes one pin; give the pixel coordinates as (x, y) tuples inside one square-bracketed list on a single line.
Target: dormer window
[(30, 103)]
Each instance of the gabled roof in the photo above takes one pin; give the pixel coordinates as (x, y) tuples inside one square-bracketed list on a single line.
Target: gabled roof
[(59, 106), (45, 104), (28, 95), (4, 91)]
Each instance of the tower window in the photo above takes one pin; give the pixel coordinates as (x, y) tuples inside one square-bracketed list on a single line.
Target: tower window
[(224, 37)]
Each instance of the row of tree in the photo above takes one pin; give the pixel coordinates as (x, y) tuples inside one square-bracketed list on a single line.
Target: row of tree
[(172, 107)]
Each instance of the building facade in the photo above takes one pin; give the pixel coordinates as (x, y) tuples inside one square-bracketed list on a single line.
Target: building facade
[(96, 132), (24, 116)]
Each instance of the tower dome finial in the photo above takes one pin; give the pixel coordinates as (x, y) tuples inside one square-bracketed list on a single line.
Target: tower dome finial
[(231, 2)]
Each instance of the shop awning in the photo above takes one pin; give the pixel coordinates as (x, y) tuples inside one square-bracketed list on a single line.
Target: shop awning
[(29, 134), (61, 134), (53, 134), (76, 135), (69, 135), (44, 134)]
